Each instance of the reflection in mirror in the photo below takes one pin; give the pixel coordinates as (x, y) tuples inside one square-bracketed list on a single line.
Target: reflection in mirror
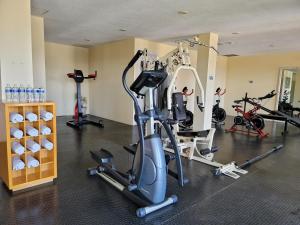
[(289, 99)]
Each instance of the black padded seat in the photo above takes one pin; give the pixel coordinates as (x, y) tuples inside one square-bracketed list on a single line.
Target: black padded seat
[(193, 133)]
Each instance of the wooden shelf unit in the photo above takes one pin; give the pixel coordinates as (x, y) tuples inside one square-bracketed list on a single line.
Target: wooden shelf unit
[(28, 177)]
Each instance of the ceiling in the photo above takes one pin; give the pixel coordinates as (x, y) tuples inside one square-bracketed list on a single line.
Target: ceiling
[(245, 27)]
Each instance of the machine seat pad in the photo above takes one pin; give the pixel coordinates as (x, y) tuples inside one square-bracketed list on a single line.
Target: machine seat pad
[(193, 133), (102, 156)]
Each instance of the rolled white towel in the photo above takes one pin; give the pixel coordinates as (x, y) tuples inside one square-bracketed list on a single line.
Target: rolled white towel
[(17, 163), (46, 115), (31, 116), (15, 117), (16, 133), (31, 131), (32, 146), (47, 144), (32, 162), (45, 130), (17, 148)]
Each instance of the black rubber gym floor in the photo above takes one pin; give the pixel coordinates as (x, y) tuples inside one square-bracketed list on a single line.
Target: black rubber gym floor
[(268, 194)]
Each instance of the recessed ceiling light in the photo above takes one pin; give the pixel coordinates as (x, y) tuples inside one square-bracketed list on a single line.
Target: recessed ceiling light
[(122, 29), (182, 12), (235, 33)]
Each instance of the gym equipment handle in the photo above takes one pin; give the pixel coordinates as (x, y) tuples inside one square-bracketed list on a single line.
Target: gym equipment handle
[(269, 95), (135, 58), (207, 150)]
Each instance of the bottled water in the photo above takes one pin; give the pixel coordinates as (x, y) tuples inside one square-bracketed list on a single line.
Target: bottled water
[(22, 94), (42, 95), (29, 94), (15, 93), (8, 91), (36, 94)]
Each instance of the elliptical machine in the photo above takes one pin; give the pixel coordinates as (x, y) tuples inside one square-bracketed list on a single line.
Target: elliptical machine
[(79, 117), (146, 182)]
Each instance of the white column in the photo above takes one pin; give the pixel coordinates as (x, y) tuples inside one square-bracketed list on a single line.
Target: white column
[(206, 68)]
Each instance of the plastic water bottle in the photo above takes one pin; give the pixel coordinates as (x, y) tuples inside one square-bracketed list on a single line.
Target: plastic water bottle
[(42, 95), (36, 94), (15, 93), (8, 91), (22, 94), (29, 94)]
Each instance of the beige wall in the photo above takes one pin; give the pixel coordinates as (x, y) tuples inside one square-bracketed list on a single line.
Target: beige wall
[(263, 70), (60, 60), (221, 73), (38, 51), (15, 43), (108, 98)]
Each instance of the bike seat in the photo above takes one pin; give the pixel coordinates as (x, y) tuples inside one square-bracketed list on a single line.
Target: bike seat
[(236, 106), (102, 156)]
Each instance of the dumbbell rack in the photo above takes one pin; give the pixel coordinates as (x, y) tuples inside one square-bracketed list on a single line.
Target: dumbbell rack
[(28, 177)]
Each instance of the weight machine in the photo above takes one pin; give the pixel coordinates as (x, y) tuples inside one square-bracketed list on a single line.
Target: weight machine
[(188, 142)]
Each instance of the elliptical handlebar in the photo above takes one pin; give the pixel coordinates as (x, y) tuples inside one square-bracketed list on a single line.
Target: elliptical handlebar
[(135, 58), (138, 113)]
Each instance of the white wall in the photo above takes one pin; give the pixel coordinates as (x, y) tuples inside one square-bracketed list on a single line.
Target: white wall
[(38, 51), (15, 43), (60, 60), (107, 96)]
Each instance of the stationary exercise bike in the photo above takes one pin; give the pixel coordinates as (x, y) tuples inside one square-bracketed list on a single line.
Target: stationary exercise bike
[(79, 118), (146, 182), (219, 114), (253, 122)]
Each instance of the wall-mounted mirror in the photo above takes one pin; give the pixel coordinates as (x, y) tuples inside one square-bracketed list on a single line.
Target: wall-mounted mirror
[(289, 91)]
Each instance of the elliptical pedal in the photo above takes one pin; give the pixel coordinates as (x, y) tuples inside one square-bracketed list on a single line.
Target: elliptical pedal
[(102, 156)]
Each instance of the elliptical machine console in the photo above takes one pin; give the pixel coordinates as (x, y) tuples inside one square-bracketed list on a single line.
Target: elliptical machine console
[(146, 182), (79, 117)]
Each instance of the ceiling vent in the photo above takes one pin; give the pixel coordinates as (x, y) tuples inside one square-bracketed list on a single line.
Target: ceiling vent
[(231, 55)]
